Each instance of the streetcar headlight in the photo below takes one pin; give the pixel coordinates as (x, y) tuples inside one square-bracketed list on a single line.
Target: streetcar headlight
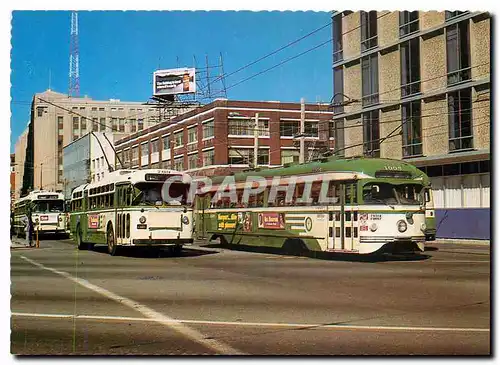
[(142, 219), (423, 227), (402, 226), (373, 227), (185, 219)]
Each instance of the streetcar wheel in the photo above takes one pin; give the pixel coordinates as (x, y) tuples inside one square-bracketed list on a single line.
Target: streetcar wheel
[(176, 250), (295, 247), (110, 238), (81, 245)]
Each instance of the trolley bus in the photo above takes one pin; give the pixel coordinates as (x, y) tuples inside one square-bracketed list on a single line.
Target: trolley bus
[(357, 205), (47, 213), (126, 208)]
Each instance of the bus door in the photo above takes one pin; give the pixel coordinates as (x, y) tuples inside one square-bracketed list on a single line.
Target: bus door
[(350, 216), (335, 238), (123, 198)]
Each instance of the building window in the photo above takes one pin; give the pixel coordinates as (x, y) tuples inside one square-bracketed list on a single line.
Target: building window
[(39, 111), (412, 129), (122, 125), (458, 52), (263, 156), (369, 79), (179, 163), (208, 129), (94, 108), (338, 87), (60, 125), (408, 22), (337, 38), (179, 139), (453, 14), (192, 135), (82, 108), (193, 161), (460, 120), (155, 145), (241, 127), (135, 156), (83, 124), (101, 109), (102, 125), (289, 128), (114, 125), (339, 137), (410, 67), (311, 129), (371, 134), (145, 149), (368, 30), (209, 158), (94, 125), (76, 124), (166, 142), (289, 156), (263, 128), (133, 126), (239, 156), (140, 124)]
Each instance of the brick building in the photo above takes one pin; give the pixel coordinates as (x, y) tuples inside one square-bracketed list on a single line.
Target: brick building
[(416, 86), (219, 137)]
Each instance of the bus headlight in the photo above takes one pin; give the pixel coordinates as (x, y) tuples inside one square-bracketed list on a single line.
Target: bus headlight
[(373, 227), (60, 219), (423, 227), (402, 226), (185, 219), (142, 219)]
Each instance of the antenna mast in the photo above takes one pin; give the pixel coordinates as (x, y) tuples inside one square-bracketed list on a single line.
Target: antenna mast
[(74, 74)]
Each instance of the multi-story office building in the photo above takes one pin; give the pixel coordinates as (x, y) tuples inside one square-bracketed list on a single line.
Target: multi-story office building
[(89, 159), (20, 155), (220, 137), (57, 120), (416, 86)]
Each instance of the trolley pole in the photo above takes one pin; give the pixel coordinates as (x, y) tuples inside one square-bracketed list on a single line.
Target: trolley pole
[(256, 141), (302, 128)]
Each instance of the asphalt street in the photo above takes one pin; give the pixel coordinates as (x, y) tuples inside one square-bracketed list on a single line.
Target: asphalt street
[(216, 300)]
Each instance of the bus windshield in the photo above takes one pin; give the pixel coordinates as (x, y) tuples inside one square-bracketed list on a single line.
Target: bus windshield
[(50, 206), (405, 194), (150, 193)]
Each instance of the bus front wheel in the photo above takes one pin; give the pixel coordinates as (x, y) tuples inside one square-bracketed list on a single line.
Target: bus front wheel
[(110, 238)]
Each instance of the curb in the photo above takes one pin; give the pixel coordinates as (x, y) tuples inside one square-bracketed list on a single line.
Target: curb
[(460, 242)]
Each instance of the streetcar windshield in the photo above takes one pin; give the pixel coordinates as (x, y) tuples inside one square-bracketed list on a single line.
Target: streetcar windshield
[(405, 194), (50, 206), (150, 193)]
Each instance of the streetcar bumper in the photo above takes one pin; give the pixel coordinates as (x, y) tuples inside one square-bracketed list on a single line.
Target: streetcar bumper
[(162, 242), (373, 244)]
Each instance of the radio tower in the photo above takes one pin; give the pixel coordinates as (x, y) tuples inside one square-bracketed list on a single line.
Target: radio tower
[(74, 76)]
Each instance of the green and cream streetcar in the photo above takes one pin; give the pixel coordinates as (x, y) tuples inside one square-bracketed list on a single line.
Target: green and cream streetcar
[(358, 205), (127, 208)]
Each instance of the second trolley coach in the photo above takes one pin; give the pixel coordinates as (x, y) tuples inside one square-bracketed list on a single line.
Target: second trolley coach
[(357, 205), (126, 208), (47, 213)]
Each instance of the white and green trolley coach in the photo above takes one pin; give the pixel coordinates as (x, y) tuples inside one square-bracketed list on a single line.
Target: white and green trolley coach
[(357, 205), (127, 208), (47, 213)]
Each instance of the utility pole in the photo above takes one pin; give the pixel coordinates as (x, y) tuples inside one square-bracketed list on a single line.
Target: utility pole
[(256, 141), (302, 128)]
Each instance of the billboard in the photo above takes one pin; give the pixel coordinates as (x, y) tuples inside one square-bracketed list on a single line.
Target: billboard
[(174, 81)]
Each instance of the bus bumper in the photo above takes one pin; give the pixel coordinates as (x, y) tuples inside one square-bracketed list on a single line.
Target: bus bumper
[(162, 242)]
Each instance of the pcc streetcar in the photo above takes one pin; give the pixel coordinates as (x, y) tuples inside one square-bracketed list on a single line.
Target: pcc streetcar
[(356, 205)]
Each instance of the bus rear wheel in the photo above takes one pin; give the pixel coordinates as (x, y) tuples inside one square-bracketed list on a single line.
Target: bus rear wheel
[(110, 240), (81, 245)]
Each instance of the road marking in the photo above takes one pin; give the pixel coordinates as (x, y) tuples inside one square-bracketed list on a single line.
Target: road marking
[(257, 324), (154, 316), (459, 261)]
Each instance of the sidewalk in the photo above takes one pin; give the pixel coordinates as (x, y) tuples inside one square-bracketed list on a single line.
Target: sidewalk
[(18, 243)]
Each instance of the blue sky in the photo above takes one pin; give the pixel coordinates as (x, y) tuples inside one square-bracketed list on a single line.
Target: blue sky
[(119, 50)]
